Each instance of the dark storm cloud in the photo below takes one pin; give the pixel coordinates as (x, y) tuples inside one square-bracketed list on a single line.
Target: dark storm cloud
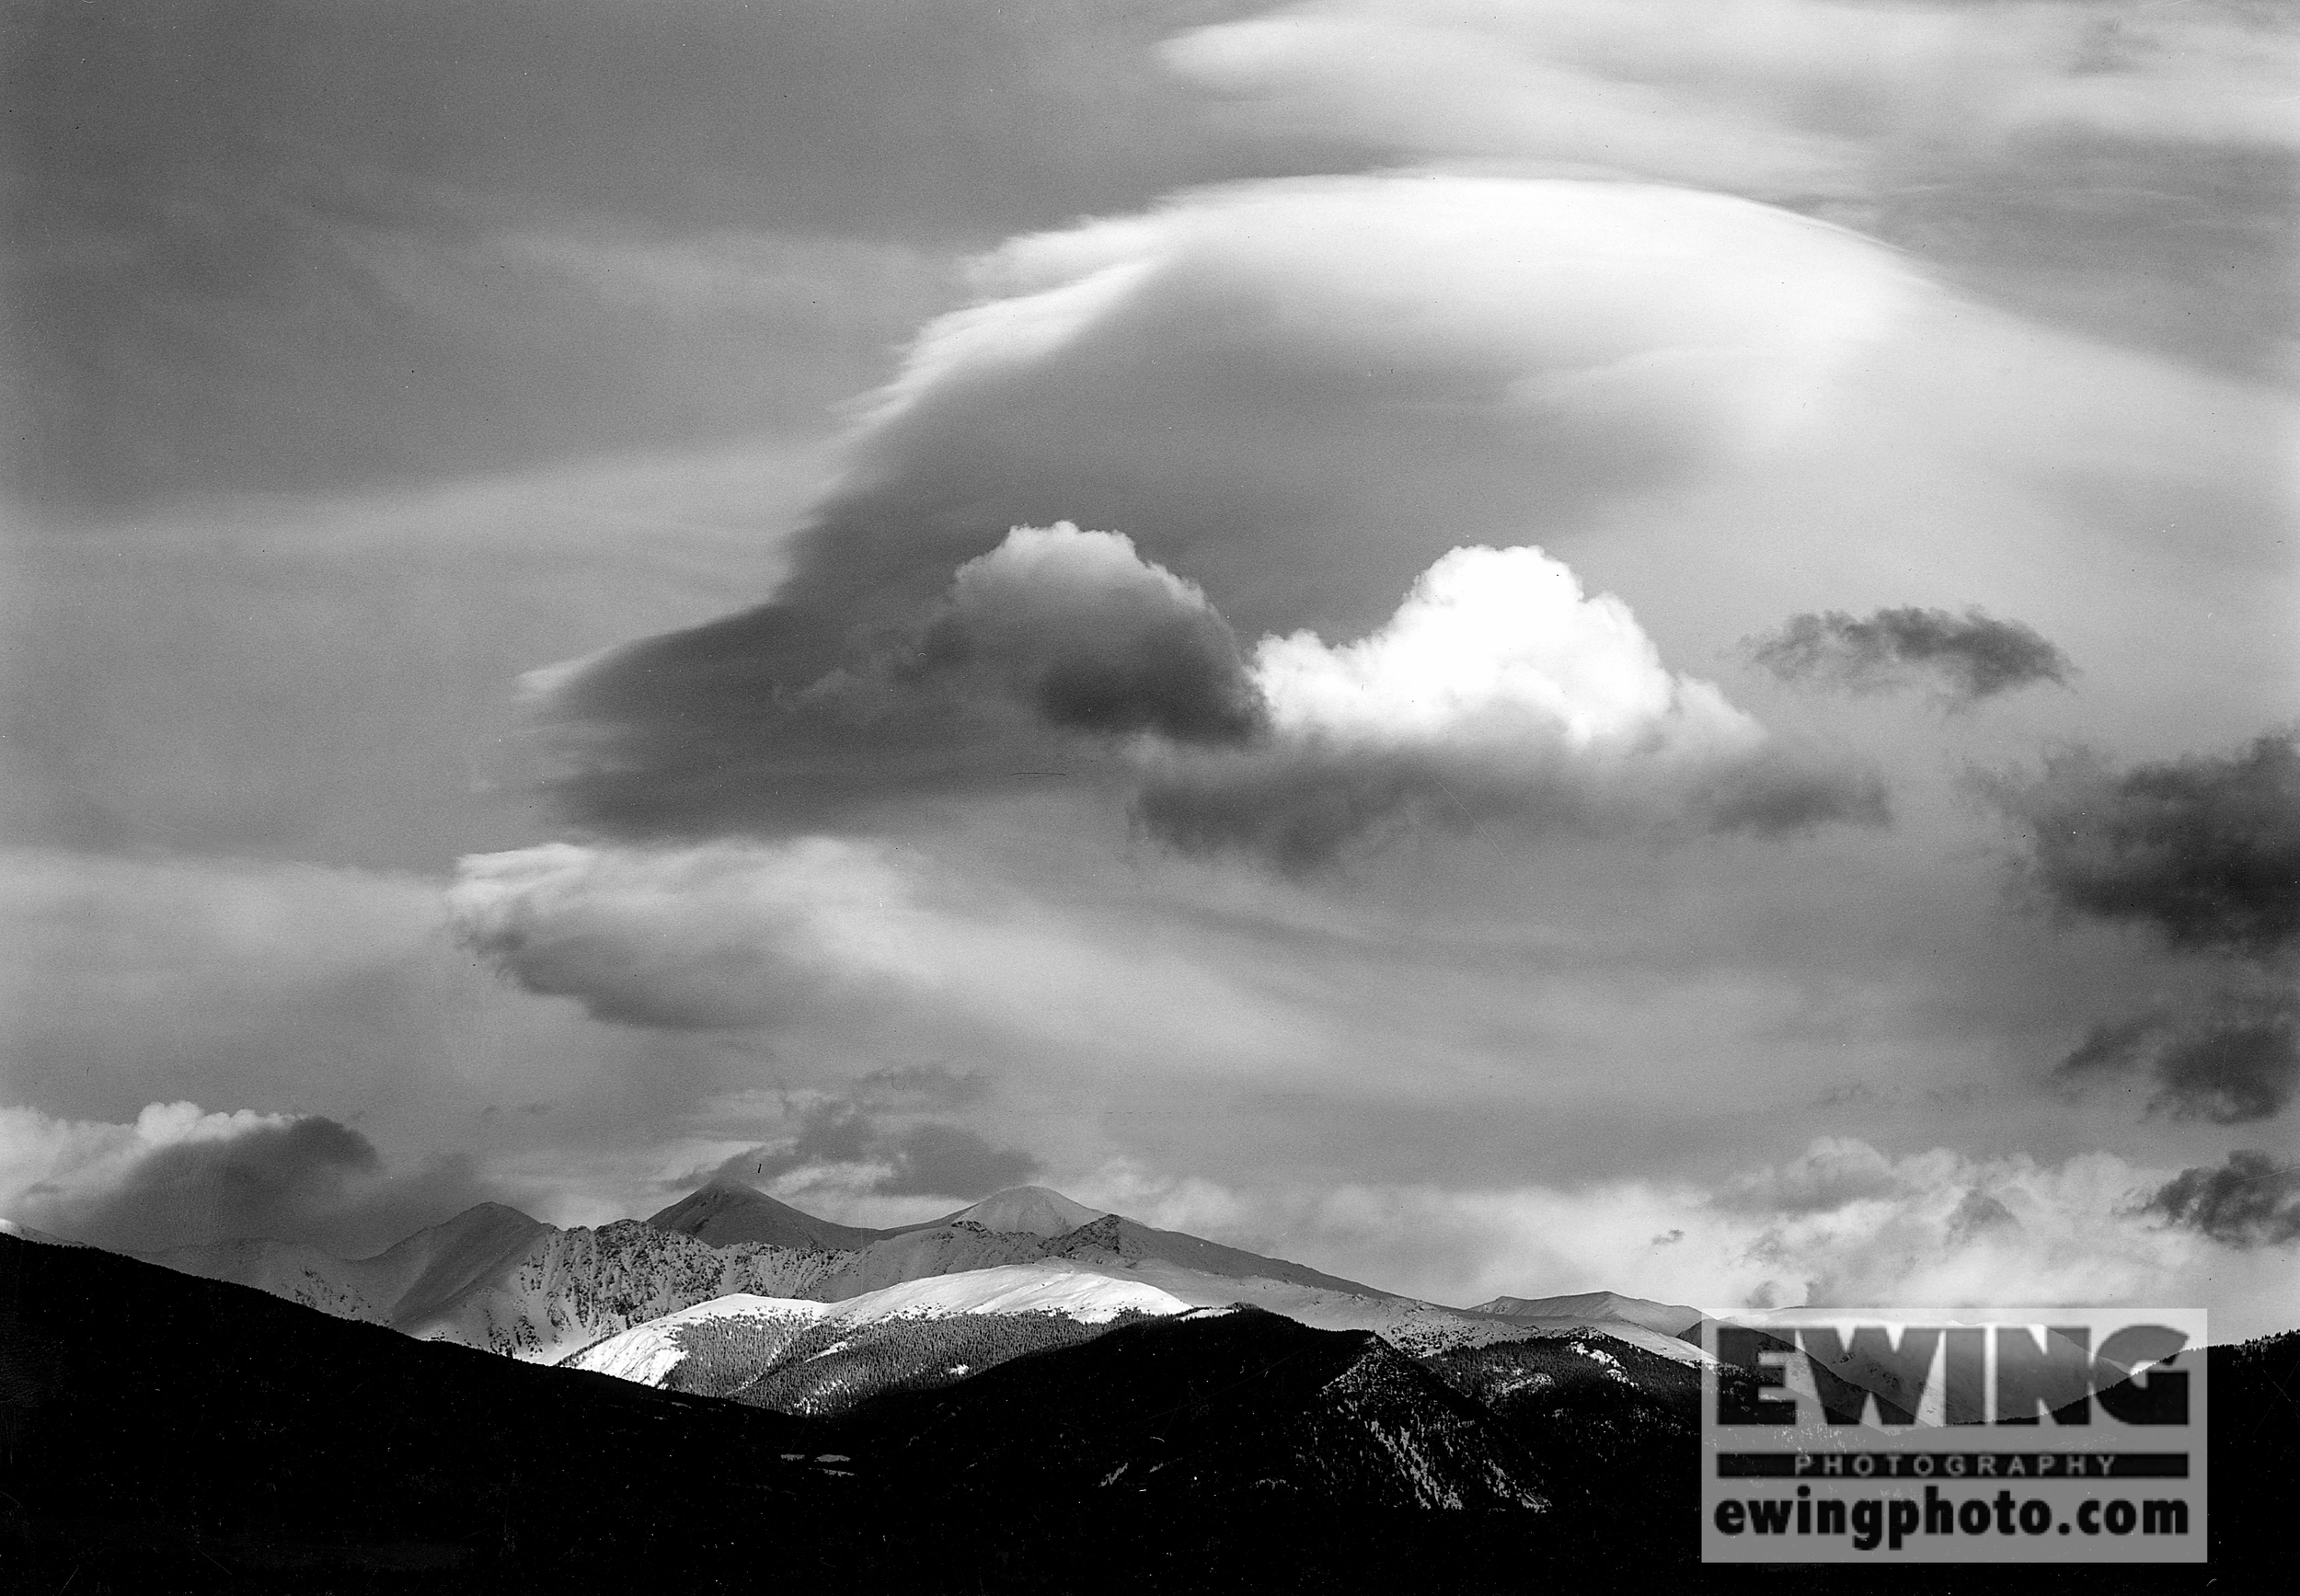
[(1077, 627), (927, 1158), (2203, 850), (2231, 1063), (936, 1160), (252, 239), (1973, 656), (833, 1132), (1047, 649), (269, 1181), (2252, 1201), (180, 1178)]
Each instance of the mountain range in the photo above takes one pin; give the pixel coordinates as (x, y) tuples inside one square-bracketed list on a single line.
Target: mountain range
[(159, 1432), (494, 1279)]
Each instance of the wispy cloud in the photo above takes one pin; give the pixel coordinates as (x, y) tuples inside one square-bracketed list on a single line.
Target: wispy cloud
[(1969, 657)]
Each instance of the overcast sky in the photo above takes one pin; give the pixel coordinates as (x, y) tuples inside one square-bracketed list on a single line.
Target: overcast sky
[(1632, 644)]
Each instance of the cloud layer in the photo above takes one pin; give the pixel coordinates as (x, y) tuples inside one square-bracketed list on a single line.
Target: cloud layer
[(1770, 96), (1841, 1225), (1971, 657)]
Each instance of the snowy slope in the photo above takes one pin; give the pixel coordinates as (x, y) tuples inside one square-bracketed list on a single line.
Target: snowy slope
[(1084, 1294), (494, 1279), (647, 1353), (650, 1352)]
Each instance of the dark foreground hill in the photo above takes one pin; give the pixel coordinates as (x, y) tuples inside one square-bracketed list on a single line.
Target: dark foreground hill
[(159, 1432)]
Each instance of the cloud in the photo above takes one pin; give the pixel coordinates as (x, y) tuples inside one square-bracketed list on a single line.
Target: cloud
[(2252, 1201), (845, 1141), (2119, 166), (935, 1160), (249, 282), (1292, 398), (677, 940), (1792, 97), (2205, 850), (177, 1177), (936, 1084), (1973, 656), (1497, 692), (1095, 639), (2234, 1061), (849, 955), (1832, 1172)]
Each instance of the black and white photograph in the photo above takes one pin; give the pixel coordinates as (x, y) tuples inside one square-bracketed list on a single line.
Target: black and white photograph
[(1149, 796)]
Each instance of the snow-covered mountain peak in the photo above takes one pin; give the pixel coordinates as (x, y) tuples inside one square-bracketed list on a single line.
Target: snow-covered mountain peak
[(726, 1211), (1025, 1210)]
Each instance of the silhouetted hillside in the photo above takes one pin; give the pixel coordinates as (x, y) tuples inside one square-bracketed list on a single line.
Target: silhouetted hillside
[(162, 1432)]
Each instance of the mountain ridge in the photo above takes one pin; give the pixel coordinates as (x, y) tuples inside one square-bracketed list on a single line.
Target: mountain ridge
[(496, 1279)]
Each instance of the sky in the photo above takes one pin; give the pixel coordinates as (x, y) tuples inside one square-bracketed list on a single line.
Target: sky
[(1648, 645)]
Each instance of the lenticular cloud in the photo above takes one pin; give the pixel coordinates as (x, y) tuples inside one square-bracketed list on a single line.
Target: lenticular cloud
[(1292, 399)]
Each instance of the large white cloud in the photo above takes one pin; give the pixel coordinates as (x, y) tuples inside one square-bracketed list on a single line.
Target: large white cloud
[(1498, 691)]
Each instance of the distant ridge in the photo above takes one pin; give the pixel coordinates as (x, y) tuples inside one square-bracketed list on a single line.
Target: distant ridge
[(1669, 1318), (725, 1212)]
